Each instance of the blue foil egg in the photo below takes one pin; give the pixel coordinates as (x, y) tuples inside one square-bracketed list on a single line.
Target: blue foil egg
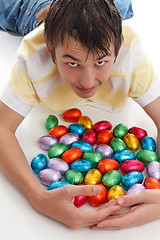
[(124, 155), (82, 166), (57, 184), (38, 163), (84, 146), (76, 128), (148, 143), (131, 178)]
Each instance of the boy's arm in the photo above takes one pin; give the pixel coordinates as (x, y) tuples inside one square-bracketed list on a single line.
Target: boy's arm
[(56, 204)]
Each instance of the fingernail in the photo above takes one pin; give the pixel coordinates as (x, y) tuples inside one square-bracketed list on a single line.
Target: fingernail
[(120, 201), (96, 189)]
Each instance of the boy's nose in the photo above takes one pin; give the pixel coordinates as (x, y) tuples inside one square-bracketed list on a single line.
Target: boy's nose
[(87, 79)]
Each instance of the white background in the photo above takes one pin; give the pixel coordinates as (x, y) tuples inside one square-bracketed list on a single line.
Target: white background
[(17, 219)]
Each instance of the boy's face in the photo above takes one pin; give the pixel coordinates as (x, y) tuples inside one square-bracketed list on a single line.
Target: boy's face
[(84, 72)]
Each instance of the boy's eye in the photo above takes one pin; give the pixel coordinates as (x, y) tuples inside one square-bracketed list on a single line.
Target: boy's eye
[(100, 63), (72, 64)]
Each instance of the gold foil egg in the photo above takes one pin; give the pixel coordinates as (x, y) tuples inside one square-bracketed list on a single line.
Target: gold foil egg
[(115, 192), (131, 142), (86, 122), (94, 176)]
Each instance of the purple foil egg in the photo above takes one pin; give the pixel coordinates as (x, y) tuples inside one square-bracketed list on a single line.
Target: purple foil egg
[(69, 138), (47, 141), (58, 165), (47, 176), (153, 169), (105, 150), (136, 189)]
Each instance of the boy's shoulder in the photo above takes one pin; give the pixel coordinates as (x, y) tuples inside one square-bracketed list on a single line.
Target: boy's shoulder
[(129, 36)]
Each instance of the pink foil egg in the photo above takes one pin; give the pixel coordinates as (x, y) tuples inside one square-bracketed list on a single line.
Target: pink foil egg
[(153, 169), (90, 137), (47, 176), (132, 165), (79, 201), (136, 188), (47, 141), (140, 133), (102, 125)]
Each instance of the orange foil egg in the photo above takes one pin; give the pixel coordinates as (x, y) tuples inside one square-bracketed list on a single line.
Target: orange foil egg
[(104, 137), (72, 115), (72, 155), (58, 131), (107, 165), (131, 142), (86, 122), (152, 183), (115, 192), (100, 198)]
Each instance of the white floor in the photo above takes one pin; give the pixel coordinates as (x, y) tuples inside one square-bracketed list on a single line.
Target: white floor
[(17, 219)]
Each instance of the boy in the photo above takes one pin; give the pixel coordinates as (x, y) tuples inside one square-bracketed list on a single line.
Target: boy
[(86, 59)]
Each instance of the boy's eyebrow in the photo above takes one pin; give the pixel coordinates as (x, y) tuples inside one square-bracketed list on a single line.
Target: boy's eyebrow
[(103, 56), (70, 56)]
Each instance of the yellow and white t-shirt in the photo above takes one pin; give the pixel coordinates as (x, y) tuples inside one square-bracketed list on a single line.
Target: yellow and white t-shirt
[(35, 78)]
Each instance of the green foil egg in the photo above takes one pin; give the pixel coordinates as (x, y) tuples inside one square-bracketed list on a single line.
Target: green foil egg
[(111, 179), (93, 157), (120, 130), (74, 177), (50, 122), (117, 144), (57, 150), (147, 156)]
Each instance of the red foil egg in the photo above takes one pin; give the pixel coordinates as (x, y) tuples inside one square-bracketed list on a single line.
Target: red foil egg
[(104, 137), (102, 125), (132, 165), (152, 183), (107, 165), (90, 137), (58, 131), (79, 201), (72, 115), (100, 198), (72, 155), (140, 133)]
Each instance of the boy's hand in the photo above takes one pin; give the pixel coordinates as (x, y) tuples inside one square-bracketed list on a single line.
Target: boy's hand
[(59, 205), (144, 208)]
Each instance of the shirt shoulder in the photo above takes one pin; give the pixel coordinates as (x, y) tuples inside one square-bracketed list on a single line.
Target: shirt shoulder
[(130, 37)]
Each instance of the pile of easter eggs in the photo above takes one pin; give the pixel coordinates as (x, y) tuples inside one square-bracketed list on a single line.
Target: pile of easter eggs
[(87, 153)]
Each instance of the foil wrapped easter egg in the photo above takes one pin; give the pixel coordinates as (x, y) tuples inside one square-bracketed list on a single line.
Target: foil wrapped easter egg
[(111, 179), (124, 155), (94, 176), (115, 192), (58, 165), (102, 125), (140, 133), (79, 201), (57, 184), (152, 183), (104, 137), (153, 170), (131, 178), (47, 176), (50, 122), (90, 137), (76, 128), (120, 130), (58, 131), (148, 143), (86, 122), (47, 141), (117, 144), (57, 150), (74, 177), (147, 156), (93, 157), (105, 150), (132, 165), (100, 198), (107, 165), (72, 155), (84, 146), (72, 115), (136, 188), (38, 163), (82, 166), (69, 138), (131, 142)]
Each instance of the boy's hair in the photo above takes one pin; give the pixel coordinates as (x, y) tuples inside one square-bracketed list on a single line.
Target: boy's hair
[(94, 23)]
